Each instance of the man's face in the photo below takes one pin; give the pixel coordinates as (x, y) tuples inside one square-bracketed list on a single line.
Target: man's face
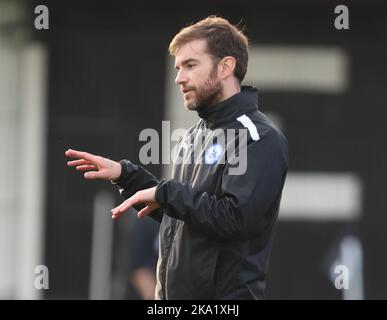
[(197, 75)]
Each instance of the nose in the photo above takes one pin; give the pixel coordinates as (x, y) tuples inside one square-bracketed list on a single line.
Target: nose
[(181, 78)]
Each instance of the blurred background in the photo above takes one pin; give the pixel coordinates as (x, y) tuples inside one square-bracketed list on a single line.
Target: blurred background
[(101, 73)]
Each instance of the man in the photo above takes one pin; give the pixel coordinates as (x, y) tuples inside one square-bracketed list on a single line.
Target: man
[(216, 224)]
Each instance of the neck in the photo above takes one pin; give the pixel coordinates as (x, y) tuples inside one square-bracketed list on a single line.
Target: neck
[(229, 89)]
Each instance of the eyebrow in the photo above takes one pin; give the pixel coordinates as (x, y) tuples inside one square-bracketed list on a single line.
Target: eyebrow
[(187, 61)]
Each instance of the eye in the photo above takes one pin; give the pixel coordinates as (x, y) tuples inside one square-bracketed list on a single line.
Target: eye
[(190, 66)]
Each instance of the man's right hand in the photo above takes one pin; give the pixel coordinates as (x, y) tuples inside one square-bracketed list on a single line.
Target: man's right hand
[(96, 167)]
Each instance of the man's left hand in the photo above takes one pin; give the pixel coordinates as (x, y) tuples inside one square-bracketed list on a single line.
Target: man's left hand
[(147, 197)]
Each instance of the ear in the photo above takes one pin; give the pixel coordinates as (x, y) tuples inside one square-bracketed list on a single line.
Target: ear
[(226, 67)]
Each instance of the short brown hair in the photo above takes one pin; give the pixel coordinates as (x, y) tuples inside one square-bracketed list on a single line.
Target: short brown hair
[(223, 39)]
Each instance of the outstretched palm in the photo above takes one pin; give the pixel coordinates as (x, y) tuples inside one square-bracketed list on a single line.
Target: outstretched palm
[(96, 167)]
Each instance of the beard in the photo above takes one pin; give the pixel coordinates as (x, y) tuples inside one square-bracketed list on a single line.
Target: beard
[(207, 94)]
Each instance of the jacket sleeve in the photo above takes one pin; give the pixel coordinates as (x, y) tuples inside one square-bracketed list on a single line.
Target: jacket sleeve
[(248, 203), (134, 178)]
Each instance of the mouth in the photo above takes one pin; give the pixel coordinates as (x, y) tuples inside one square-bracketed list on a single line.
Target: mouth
[(185, 91)]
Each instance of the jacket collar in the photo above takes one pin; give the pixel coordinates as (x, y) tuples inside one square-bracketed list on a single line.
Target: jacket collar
[(228, 110)]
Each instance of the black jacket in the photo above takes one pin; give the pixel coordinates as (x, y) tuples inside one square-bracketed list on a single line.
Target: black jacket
[(216, 227)]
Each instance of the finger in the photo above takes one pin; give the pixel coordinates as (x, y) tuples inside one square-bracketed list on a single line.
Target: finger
[(144, 212), (122, 207), (116, 215), (87, 167), (80, 162), (121, 204), (117, 211), (93, 175), (126, 205), (80, 155)]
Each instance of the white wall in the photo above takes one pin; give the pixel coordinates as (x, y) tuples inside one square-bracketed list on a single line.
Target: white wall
[(22, 145)]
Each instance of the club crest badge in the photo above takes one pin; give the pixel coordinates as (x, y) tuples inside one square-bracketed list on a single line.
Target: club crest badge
[(214, 154)]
